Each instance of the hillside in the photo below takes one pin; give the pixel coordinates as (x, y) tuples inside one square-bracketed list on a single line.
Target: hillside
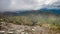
[(38, 22)]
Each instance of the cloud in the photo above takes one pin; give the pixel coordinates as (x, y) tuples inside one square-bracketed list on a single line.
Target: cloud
[(53, 4), (9, 5)]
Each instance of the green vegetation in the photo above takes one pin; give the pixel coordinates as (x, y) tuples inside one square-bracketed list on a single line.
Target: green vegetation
[(47, 20)]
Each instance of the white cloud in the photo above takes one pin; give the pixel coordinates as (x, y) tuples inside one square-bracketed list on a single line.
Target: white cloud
[(53, 4), (26, 4)]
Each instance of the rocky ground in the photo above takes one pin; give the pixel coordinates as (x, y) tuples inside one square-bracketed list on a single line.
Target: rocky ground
[(24, 29)]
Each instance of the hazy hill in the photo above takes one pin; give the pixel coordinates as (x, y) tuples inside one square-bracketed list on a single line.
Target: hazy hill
[(55, 11)]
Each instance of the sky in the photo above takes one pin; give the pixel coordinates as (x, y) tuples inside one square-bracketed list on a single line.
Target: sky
[(11, 5)]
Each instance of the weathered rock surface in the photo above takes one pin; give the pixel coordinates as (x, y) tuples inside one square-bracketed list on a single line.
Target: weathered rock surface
[(24, 29)]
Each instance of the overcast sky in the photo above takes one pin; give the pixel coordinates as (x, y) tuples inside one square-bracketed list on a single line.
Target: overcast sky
[(9, 5)]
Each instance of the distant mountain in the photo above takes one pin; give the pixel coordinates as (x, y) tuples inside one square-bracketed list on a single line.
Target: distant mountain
[(55, 11), (16, 13), (44, 10)]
